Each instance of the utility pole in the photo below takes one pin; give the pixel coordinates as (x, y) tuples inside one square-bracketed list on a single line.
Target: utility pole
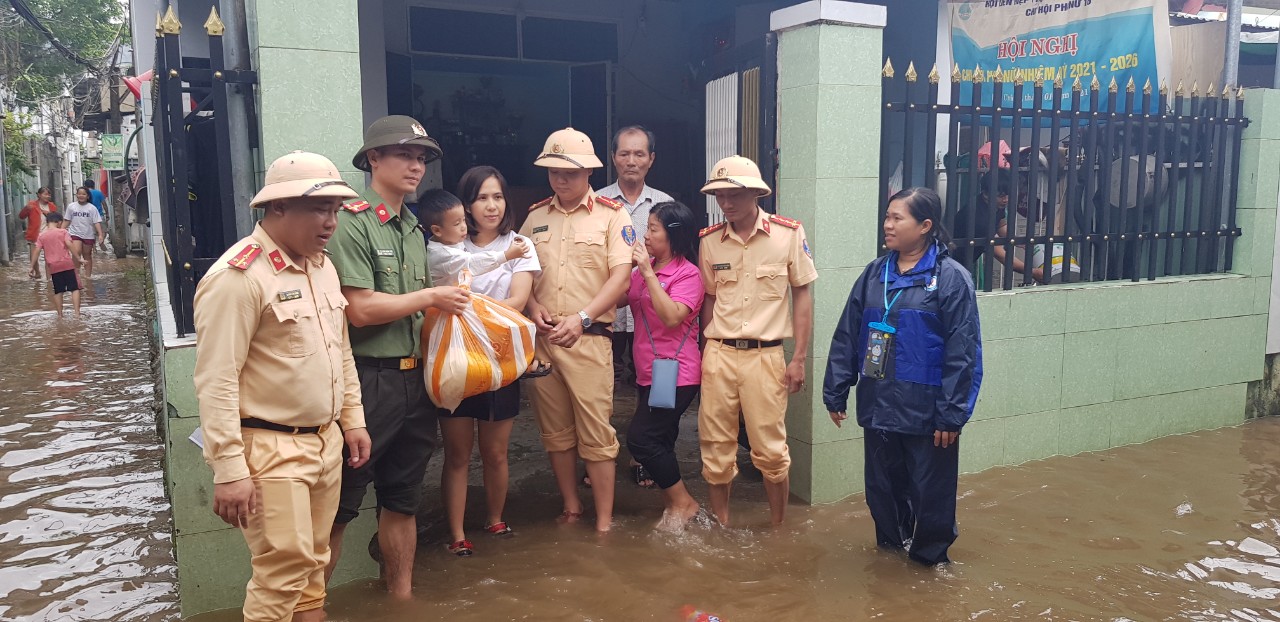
[(1231, 70), (4, 197), (236, 53), (119, 239)]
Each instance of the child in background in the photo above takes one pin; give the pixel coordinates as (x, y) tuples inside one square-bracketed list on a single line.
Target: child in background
[(446, 219), (59, 261)]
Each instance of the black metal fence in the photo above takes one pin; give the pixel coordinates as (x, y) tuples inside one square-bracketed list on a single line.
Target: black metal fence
[(193, 158), (1087, 185)]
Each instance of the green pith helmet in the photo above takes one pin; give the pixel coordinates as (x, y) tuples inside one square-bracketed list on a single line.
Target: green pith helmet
[(395, 130)]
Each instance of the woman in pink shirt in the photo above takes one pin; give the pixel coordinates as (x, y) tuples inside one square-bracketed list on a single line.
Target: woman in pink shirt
[(665, 297)]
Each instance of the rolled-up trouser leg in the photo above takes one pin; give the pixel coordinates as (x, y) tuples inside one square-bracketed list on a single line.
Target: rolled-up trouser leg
[(651, 437), (573, 405), (763, 391)]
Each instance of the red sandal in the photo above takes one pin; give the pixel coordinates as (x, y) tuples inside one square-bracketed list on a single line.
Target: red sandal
[(500, 528), (462, 548)]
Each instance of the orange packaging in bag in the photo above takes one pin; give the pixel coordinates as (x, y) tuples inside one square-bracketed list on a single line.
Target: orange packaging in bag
[(487, 347)]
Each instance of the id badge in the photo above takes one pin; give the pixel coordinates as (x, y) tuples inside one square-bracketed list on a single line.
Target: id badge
[(879, 350)]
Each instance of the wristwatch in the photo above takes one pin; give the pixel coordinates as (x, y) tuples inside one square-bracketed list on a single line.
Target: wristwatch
[(586, 321)]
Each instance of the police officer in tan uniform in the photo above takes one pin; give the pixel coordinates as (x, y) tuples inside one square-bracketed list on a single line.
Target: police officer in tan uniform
[(268, 315), (584, 244), (749, 262)]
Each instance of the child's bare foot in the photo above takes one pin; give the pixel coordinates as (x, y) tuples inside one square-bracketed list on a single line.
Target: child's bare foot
[(603, 523)]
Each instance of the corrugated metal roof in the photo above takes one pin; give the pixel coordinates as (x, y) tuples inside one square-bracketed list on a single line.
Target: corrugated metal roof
[(1183, 19)]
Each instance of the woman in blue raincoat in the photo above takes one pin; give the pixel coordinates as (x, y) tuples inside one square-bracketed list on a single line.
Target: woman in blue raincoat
[(909, 339)]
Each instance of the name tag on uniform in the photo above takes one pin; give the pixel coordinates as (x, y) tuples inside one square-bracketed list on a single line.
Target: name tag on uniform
[(385, 253), (537, 230), (721, 266), (293, 294)]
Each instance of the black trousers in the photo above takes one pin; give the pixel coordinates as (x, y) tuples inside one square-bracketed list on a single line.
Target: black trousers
[(651, 437), (911, 491), (402, 424)]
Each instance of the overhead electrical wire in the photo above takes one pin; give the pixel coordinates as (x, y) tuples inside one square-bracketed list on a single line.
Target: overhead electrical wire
[(23, 11)]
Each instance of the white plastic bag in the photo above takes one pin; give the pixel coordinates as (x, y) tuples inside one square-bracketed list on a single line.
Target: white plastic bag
[(487, 347)]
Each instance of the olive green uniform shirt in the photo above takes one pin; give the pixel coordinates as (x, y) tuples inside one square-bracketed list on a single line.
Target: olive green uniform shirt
[(376, 249)]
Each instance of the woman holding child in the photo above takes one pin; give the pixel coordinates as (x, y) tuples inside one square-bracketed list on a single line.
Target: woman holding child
[(483, 190)]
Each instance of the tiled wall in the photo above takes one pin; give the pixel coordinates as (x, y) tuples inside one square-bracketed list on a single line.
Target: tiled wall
[(1068, 368), (308, 63)]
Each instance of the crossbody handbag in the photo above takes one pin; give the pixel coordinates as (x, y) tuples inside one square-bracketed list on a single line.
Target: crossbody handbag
[(666, 371)]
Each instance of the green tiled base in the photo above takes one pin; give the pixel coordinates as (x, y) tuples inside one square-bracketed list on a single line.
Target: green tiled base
[(213, 567), (179, 369)]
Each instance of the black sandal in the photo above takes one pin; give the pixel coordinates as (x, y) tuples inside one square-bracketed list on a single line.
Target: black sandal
[(537, 372), (639, 475)]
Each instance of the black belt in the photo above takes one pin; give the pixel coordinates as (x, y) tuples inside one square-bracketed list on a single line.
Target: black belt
[(261, 424), (749, 344), (598, 329), (402, 364)]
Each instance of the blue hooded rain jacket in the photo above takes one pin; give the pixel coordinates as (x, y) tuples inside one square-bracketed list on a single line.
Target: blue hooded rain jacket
[(936, 369)]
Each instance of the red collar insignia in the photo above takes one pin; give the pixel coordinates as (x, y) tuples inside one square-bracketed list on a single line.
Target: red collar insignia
[(277, 260)]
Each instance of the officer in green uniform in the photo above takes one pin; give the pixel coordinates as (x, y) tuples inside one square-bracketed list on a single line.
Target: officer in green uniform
[(381, 256)]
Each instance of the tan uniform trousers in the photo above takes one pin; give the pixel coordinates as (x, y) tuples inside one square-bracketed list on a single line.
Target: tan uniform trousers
[(574, 403), (751, 382), (298, 477)]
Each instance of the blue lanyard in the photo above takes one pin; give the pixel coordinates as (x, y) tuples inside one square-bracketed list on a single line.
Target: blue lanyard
[(883, 324)]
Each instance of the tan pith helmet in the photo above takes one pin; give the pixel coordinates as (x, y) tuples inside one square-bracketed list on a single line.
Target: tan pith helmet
[(568, 148), (736, 172), (391, 130), (302, 174)]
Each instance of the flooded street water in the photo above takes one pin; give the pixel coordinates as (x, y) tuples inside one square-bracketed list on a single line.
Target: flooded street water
[(84, 524), (1182, 528)]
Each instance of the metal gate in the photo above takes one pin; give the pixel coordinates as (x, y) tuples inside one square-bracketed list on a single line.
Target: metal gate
[(741, 113), (191, 112)]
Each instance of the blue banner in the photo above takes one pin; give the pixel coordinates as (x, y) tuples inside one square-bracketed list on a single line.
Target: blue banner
[(1066, 39)]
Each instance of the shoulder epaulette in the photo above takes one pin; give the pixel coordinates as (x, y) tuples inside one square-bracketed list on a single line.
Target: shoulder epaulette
[(709, 230), (789, 223), (245, 257), (356, 207), (610, 203), (543, 203)]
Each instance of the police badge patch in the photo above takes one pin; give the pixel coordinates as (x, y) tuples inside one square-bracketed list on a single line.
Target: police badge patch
[(629, 235), (805, 244)]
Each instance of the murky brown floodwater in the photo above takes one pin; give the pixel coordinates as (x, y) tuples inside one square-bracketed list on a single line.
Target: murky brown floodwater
[(84, 524), (1183, 528)]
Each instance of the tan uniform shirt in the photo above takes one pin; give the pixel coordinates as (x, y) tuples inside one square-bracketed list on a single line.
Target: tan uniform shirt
[(750, 278), (577, 247), (271, 343)]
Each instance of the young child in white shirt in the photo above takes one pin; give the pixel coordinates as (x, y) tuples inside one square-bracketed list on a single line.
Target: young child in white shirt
[(446, 219)]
